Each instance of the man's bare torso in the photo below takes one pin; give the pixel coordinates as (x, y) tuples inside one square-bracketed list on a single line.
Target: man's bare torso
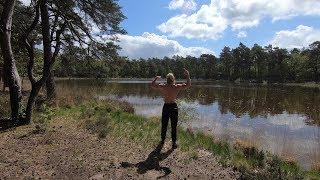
[(170, 92)]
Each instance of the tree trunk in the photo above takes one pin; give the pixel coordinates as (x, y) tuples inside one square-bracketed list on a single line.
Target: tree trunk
[(51, 87), (47, 56), (11, 73), (32, 98), (47, 52)]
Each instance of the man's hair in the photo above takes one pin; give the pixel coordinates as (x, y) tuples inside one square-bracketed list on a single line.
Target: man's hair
[(170, 78)]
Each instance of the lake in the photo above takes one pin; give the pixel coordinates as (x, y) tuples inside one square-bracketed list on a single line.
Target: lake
[(283, 120)]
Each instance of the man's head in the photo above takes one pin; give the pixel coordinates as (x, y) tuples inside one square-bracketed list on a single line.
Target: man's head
[(171, 79)]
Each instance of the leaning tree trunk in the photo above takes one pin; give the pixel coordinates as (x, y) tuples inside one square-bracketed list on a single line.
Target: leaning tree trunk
[(47, 56), (32, 98), (11, 72)]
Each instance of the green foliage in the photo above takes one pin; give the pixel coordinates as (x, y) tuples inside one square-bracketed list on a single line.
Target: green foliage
[(257, 64), (44, 114)]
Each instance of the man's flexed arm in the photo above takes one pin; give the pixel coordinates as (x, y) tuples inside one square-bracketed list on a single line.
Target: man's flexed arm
[(185, 85), (187, 74), (155, 85)]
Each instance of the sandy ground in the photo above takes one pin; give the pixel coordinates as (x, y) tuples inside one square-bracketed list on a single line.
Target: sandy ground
[(68, 151)]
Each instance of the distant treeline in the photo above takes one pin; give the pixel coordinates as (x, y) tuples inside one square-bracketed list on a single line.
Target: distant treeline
[(257, 64)]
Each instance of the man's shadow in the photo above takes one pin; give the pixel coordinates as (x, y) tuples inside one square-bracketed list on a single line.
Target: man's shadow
[(152, 162)]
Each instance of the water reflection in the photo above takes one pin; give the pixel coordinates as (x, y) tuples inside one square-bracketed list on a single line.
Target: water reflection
[(283, 120)]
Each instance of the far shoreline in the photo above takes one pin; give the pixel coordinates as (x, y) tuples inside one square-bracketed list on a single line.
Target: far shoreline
[(315, 85)]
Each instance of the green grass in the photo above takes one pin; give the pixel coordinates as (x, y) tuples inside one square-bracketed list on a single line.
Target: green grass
[(117, 119)]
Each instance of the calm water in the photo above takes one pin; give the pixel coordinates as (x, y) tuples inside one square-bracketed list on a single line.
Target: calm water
[(281, 119)]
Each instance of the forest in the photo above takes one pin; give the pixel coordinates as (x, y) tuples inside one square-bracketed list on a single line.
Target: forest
[(97, 59), (256, 64)]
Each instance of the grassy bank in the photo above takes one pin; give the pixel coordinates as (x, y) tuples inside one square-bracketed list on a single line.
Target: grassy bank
[(117, 119)]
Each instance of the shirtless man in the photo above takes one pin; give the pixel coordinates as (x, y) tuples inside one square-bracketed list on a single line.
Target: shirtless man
[(170, 92)]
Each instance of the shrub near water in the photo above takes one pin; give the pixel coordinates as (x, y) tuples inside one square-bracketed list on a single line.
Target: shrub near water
[(97, 117)]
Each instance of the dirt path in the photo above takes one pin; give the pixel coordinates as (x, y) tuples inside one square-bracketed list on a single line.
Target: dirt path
[(68, 151)]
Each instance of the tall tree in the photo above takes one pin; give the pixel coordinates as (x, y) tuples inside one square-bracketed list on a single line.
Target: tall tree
[(314, 60), (259, 58), (63, 23), (81, 22), (209, 63), (276, 63), (11, 73), (296, 68), (242, 60), (227, 62), (67, 22)]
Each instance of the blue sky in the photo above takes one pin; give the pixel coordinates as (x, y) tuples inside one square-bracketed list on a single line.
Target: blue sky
[(158, 28), (287, 23)]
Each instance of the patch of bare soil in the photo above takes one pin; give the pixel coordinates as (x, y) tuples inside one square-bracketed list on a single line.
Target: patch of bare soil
[(67, 151)]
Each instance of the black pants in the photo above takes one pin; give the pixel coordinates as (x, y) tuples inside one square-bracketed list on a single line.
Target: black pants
[(169, 110)]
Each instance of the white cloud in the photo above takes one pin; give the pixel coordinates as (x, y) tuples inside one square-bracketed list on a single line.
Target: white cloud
[(204, 24), (301, 36), (211, 20), (153, 45), (183, 4), (242, 34), (292, 121), (26, 2)]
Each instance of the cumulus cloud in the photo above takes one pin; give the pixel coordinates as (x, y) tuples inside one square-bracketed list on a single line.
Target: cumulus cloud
[(242, 34), (183, 4), (153, 45), (211, 20), (204, 24), (301, 36)]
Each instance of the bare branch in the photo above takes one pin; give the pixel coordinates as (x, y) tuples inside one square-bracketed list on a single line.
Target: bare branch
[(30, 49), (54, 26), (58, 42)]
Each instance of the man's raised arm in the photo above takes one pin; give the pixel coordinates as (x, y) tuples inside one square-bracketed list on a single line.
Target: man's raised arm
[(188, 84), (155, 85), (187, 74)]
